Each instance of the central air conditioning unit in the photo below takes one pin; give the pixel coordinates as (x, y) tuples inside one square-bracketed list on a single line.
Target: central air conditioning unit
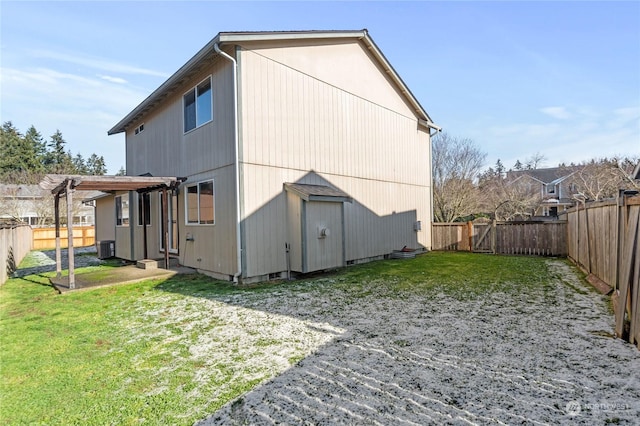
[(106, 249)]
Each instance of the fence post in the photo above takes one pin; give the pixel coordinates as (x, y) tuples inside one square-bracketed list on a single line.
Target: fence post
[(470, 234), (494, 236)]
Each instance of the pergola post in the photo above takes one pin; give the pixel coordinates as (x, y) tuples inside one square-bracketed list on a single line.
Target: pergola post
[(69, 194), (167, 223), (144, 196), (57, 220)]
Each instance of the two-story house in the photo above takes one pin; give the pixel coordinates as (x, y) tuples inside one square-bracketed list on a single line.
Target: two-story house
[(302, 151), (554, 185)]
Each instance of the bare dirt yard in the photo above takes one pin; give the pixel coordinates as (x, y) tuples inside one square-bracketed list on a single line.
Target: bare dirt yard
[(539, 355)]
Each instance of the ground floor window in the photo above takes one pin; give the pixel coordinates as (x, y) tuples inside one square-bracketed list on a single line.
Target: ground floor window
[(200, 203), (122, 210)]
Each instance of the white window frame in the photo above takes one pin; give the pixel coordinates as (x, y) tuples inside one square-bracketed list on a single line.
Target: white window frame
[(174, 234), (199, 222), (194, 89)]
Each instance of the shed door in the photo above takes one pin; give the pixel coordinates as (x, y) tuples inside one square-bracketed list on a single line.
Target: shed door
[(323, 236)]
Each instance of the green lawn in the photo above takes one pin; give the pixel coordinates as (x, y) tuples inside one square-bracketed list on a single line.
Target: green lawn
[(172, 352)]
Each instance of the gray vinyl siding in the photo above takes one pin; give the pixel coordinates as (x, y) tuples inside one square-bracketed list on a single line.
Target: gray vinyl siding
[(163, 149), (213, 244), (304, 119), (207, 152), (105, 219), (297, 128)]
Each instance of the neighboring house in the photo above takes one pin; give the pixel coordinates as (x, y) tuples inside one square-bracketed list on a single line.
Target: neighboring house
[(34, 206), (554, 186), (303, 151)]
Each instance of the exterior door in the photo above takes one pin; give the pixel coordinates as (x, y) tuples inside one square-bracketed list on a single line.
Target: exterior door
[(323, 236), (171, 222)]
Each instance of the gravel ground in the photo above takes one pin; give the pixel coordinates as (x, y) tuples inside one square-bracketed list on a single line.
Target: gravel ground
[(544, 356), (45, 260)]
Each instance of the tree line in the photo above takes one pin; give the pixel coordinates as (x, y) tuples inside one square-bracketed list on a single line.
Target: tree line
[(463, 190), (26, 158)]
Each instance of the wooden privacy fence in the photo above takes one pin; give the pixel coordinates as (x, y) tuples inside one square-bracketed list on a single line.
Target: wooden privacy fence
[(15, 243), (45, 238), (548, 238), (604, 240)]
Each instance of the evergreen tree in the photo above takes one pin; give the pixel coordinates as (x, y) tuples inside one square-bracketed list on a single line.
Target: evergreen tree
[(10, 147), (96, 165), (80, 166), (121, 172), (24, 159), (500, 168), (37, 148), (58, 160), (518, 165)]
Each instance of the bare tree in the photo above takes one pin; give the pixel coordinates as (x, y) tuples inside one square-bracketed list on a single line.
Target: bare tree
[(511, 198), (599, 179), (456, 164), (11, 204), (44, 209), (535, 161)]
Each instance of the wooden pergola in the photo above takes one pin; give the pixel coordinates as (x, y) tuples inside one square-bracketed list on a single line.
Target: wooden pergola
[(66, 185)]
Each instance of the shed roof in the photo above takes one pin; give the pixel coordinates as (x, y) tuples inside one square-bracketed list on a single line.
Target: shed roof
[(317, 192), (57, 184), (192, 66)]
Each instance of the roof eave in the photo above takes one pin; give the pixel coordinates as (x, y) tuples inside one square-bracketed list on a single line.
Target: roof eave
[(404, 89), (164, 87), (237, 37)]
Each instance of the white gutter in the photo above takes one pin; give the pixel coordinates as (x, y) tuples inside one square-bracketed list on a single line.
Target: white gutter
[(216, 47), (430, 125)]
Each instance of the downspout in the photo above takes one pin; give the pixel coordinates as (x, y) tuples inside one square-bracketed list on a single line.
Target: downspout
[(216, 47)]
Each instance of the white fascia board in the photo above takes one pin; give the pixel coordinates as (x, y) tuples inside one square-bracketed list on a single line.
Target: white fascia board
[(237, 37)]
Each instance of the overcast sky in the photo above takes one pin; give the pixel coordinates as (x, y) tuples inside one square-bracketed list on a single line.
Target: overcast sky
[(518, 78)]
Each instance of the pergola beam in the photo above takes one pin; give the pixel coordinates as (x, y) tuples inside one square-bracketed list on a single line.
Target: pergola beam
[(67, 184)]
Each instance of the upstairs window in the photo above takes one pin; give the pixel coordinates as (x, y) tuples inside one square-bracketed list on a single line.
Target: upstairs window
[(200, 203), (198, 105)]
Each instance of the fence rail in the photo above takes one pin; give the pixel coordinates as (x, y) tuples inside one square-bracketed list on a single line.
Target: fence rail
[(15, 242), (45, 238), (528, 238)]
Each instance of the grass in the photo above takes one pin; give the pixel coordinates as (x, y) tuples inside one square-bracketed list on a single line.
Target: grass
[(125, 354)]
